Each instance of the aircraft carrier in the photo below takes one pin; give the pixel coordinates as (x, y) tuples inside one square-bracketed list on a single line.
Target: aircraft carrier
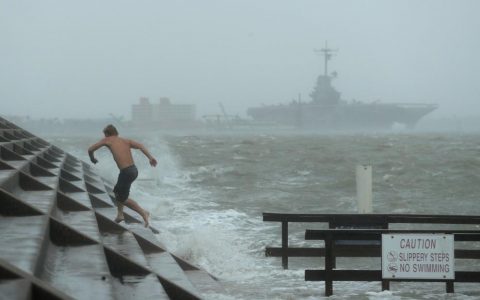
[(327, 111)]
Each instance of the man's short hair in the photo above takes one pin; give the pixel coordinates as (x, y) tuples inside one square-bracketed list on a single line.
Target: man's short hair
[(110, 130)]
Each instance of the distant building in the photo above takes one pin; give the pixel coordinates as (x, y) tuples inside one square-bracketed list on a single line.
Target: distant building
[(163, 115)]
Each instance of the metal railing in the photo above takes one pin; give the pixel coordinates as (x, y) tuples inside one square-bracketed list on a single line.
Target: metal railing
[(359, 235)]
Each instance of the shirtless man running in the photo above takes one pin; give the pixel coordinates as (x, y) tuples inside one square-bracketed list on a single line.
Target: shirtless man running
[(121, 151)]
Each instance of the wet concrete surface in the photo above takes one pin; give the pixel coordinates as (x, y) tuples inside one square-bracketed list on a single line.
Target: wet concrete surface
[(14, 289), (81, 197), (83, 221), (139, 287), (125, 244), (81, 272), (41, 200), (166, 266), (59, 240), (21, 239)]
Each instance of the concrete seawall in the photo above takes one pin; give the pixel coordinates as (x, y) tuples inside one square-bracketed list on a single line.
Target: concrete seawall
[(58, 238)]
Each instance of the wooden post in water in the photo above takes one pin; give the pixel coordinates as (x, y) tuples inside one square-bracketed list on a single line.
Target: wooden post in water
[(364, 188), (285, 244), (329, 261)]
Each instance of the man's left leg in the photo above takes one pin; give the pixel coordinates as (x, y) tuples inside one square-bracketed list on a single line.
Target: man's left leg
[(120, 217), (130, 203)]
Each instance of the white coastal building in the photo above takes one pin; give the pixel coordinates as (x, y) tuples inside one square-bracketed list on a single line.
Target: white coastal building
[(163, 114)]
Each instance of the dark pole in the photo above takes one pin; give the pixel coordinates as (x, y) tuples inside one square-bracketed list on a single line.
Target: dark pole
[(285, 244)]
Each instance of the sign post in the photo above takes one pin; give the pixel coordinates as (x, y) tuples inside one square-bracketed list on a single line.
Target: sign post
[(364, 189), (418, 256)]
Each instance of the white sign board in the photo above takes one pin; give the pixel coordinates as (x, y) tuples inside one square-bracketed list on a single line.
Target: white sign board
[(418, 256)]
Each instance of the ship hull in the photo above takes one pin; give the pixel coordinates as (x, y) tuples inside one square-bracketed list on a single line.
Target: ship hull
[(342, 116)]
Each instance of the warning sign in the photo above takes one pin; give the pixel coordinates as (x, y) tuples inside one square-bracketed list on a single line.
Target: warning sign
[(418, 256)]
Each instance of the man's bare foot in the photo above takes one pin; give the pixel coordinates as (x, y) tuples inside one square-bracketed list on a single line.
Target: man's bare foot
[(119, 219), (145, 216)]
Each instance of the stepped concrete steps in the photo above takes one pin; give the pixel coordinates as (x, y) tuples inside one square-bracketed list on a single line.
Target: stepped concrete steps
[(103, 269), (67, 203), (160, 261), (204, 283), (21, 240), (11, 135), (200, 279), (35, 170), (126, 243), (95, 189), (12, 206), (77, 173), (120, 239), (58, 234), (6, 174), (42, 200), (28, 189), (79, 271), (74, 185), (101, 200), (111, 212), (14, 289), (46, 155), (166, 267), (83, 221), (89, 176), (17, 164), (16, 284), (136, 278), (80, 197), (51, 182), (73, 178), (93, 185), (138, 287), (45, 164)]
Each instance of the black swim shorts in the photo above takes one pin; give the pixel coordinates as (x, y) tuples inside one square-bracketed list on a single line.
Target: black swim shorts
[(125, 178)]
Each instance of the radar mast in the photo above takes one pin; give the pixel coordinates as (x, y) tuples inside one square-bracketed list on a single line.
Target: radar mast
[(327, 54)]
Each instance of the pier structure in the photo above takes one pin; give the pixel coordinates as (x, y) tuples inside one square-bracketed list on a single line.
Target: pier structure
[(367, 235), (58, 238)]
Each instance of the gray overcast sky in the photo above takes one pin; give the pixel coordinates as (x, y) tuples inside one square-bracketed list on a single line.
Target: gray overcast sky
[(90, 58)]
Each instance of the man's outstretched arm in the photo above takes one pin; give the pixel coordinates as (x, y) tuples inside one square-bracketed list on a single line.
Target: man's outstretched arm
[(93, 148), (135, 145)]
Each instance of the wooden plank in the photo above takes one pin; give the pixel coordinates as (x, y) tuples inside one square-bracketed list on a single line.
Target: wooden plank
[(284, 244), (467, 254), (295, 217), (375, 234), (329, 265), (373, 218), (345, 234), (352, 251), (376, 275), (295, 252), (467, 276), (344, 275)]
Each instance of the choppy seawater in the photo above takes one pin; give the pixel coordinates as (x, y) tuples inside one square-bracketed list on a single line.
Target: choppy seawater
[(208, 193)]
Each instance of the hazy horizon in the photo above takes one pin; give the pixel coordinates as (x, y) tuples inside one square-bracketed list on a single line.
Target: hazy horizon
[(90, 59)]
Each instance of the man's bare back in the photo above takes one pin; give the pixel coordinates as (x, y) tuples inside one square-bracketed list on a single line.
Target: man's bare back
[(121, 150)]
